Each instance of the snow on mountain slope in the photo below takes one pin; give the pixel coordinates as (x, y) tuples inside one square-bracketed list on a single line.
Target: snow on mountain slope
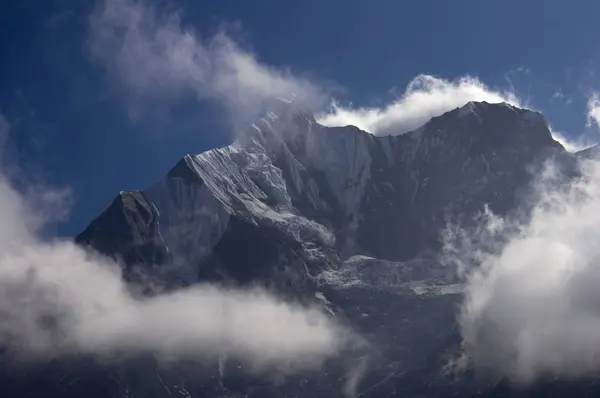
[(332, 190)]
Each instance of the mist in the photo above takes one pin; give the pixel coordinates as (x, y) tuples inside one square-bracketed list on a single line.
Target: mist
[(57, 299), (532, 307)]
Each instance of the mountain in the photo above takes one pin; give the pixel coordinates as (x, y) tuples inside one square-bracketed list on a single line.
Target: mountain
[(332, 215), (299, 192)]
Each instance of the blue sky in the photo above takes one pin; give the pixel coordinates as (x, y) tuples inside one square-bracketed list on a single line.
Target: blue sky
[(102, 96)]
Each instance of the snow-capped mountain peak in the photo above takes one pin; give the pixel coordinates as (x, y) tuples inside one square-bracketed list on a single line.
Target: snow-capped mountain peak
[(337, 217), (335, 187)]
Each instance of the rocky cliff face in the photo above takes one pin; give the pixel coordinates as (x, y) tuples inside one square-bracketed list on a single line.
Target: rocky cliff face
[(329, 214)]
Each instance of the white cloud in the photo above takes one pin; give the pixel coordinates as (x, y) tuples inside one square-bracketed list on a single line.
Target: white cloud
[(154, 56), (573, 145), (584, 141), (532, 303), (593, 110), (425, 97), (57, 299), (562, 97)]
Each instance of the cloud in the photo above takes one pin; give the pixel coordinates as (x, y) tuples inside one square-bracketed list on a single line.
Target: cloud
[(573, 145), (153, 56), (562, 97), (425, 97), (593, 110), (57, 299), (584, 141), (532, 308)]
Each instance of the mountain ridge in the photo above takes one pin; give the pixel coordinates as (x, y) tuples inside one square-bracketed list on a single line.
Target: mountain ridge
[(337, 217), (302, 179)]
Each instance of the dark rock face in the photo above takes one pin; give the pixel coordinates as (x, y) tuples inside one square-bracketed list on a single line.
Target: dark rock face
[(128, 231), (292, 203), (479, 154)]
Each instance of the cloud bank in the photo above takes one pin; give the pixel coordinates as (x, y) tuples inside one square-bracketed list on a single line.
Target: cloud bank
[(425, 97), (56, 299), (153, 56), (532, 308)]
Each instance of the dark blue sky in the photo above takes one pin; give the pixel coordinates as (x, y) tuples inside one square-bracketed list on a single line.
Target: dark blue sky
[(70, 126)]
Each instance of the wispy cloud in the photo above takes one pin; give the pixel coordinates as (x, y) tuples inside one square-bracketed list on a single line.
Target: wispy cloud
[(573, 145), (531, 308), (561, 97), (593, 110), (425, 97), (588, 138), (153, 56), (58, 299)]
